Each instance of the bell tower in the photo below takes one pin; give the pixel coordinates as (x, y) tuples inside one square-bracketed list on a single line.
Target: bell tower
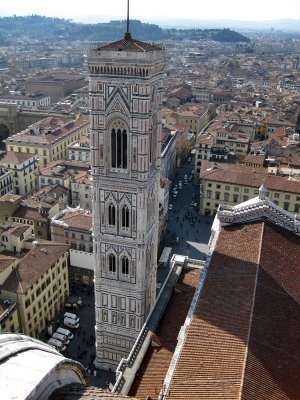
[(126, 87)]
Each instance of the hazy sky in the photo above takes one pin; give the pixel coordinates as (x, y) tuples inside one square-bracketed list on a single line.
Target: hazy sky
[(154, 10)]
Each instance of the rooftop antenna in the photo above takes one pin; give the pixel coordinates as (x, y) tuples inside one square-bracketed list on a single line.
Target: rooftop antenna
[(127, 34)]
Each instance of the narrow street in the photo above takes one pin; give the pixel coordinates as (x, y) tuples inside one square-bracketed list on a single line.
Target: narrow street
[(187, 232)]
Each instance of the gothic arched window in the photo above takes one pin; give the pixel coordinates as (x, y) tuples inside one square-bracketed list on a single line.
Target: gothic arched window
[(112, 263), (111, 214), (119, 148), (125, 216), (125, 265)]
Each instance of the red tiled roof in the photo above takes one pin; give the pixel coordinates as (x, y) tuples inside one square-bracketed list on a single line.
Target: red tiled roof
[(247, 176), (77, 391), (243, 340), (33, 265), (129, 45), (78, 220), (148, 381), (6, 261), (15, 157), (29, 213)]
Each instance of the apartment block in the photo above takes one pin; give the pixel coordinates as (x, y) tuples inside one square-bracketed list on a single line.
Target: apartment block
[(13, 235), (48, 139), (38, 210), (24, 168), (6, 181), (81, 190), (230, 184), (74, 227), (39, 284), (9, 320), (80, 151), (60, 172)]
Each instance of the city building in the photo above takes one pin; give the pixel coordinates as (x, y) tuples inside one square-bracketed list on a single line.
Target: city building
[(56, 86), (39, 284), (60, 172), (230, 184), (126, 85), (9, 319), (26, 100), (168, 153), (9, 203), (80, 151), (24, 168), (81, 190), (74, 227), (6, 181), (48, 139), (13, 235), (37, 210)]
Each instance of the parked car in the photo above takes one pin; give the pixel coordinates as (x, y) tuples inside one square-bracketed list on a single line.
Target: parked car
[(170, 207), (64, 339), (57, 344), (65, 332), (71, 323), (71, 316)]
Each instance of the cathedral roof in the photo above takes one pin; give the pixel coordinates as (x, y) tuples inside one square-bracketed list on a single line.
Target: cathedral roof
[(129, 44), (242, 340)]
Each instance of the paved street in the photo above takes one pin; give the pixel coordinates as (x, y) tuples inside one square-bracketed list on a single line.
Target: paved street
[(193, 233), (187, 233)]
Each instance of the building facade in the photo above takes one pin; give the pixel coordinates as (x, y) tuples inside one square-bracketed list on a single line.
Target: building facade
[(125, 100), (74, 226), (24, 168), (39, 284), (49, 138), (231, 184)]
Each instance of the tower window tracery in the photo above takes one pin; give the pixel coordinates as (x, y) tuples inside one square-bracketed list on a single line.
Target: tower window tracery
[(112, 263), (119, 148), (125, 216), (124, 265), (111, 214)]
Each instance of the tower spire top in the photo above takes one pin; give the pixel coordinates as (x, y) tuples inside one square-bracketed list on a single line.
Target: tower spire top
[(127, 33)]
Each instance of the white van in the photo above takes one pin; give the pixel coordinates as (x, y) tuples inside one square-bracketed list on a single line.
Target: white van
[(65, 332), (71, 316), (71, 323), (64, 339), (57, 344)]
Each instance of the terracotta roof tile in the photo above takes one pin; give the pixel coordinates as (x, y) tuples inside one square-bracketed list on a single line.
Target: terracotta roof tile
[(156, 362), (6, 261), (33, 265), (76, 391), (129, 45), (247, 176), (242, 343)]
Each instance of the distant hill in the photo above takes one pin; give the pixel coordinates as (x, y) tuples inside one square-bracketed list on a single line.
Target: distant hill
[(50, 30)]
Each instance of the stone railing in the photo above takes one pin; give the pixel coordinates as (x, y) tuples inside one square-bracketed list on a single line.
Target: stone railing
[(257, 210), (128, 367)]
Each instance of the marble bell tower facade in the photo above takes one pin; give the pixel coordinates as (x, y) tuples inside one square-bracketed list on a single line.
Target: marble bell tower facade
[(125, 90)]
